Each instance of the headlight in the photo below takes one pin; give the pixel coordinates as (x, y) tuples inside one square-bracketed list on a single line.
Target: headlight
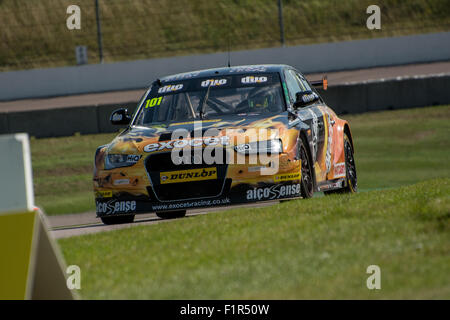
[(265, 147), (120, 160)]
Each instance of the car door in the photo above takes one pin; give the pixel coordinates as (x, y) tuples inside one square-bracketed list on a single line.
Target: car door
[(315, 117)]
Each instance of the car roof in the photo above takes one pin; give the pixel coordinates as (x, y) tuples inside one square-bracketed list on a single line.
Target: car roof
[(214, 72)]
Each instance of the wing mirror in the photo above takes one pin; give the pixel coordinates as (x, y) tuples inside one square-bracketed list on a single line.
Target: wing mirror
[(120, 117), (305, 98)]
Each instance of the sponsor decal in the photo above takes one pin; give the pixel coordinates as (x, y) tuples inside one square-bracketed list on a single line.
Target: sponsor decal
[(121, 182), (339, 170), (248, 69), (253, 79), (170, 88), (188, 175), (287, 177), (103, 194), (274, 192), (333, 185), (191, 204), (213, 83), (224, 140), (309, 97), (114, 206), (133, 158), (117, 117), (193, 122), (256, 168), (329, 143), (186, 75), (315, 134)]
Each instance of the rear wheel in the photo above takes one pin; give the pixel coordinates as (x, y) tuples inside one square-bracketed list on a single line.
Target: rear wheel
[(118, 219), (350, 166), (171, 214), (350, 169), (307, 182)]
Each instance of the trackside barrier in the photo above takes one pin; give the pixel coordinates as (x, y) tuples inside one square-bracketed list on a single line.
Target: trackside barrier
[(345, 98), (388, 94), (31, 266), (333, 56)]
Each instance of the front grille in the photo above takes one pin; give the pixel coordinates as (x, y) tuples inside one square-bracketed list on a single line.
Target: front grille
[(161, 162)]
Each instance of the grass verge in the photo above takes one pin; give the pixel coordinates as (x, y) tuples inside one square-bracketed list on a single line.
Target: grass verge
[(301, 249)]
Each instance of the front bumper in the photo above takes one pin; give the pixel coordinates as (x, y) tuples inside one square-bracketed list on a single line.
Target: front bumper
[(126, 203)]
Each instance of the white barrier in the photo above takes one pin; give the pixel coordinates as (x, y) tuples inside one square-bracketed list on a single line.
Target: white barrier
[(16, 186), (31, 266), (324, 57)]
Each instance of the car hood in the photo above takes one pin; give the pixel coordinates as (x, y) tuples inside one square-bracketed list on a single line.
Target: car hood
[(135, 139)]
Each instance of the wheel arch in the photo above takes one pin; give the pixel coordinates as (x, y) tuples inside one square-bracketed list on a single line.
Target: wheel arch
[(349, 134)]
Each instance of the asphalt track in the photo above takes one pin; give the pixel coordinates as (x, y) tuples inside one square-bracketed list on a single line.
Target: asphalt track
[(86, 223), (69, 225)]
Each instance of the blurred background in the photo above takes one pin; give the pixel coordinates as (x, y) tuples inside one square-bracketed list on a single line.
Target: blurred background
[(34, 33)]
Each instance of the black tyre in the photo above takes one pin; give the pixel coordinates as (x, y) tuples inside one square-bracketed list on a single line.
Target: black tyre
[(351, 177), (118, 219), (307, 183), (171, 214), (350, 168)]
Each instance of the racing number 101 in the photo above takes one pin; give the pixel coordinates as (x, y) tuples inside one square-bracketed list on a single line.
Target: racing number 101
[(153, 102)]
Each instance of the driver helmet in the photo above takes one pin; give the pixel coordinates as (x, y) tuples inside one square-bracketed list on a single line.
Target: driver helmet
[(260, 102)]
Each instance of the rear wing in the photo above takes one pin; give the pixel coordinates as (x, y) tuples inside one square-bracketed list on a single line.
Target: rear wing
[(321, 84)]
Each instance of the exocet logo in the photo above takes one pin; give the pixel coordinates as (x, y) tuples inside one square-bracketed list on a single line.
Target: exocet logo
[(114, 206), (274, 192), (224, 140)]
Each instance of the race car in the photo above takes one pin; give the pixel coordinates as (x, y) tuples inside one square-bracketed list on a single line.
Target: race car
[(221, 137)]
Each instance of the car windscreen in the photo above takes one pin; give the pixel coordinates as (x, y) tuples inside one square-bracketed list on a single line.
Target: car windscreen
[(206, 98)]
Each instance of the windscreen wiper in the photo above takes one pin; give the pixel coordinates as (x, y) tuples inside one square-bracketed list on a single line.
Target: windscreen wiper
[(202, 110)]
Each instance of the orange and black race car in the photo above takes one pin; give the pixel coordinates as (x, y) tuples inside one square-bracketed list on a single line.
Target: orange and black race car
[(220, 137)]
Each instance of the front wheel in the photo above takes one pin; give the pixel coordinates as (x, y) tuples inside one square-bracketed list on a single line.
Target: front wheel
[(171, 214), (117, 219)]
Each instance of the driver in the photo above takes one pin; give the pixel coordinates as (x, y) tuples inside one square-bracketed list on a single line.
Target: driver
[(262, 102)]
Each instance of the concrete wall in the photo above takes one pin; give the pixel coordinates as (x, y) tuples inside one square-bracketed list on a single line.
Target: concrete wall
[(390, 94), (308, 58), (349, 98), (62, 121)]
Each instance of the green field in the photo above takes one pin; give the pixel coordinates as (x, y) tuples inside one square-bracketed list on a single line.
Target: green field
[(318, 248), (300, 249), (393, 148), (34, 33)]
